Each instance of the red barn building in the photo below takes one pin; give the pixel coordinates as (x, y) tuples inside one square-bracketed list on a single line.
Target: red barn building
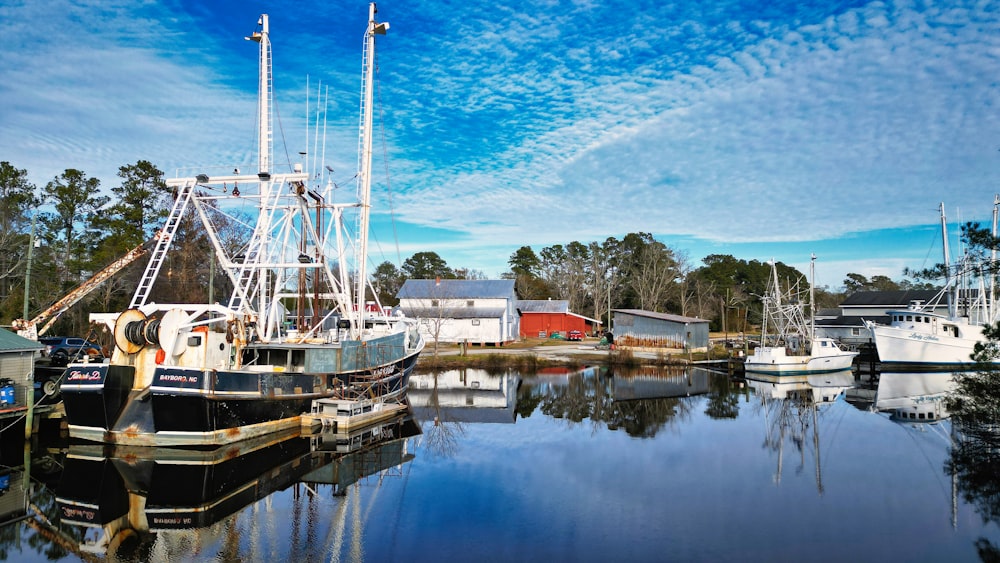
[(542, 319)]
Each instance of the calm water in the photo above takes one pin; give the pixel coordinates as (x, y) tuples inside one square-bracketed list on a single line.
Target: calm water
[(651, 466)]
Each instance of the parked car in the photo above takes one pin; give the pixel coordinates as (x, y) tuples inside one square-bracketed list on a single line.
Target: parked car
[(575, 335), (62, 350)]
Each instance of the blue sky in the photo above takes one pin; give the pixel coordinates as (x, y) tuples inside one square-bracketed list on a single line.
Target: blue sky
[(758, 129)]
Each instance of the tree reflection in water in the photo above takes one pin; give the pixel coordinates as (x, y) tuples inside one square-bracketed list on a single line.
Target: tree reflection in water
[(641, 402), (975, 454), (441, 434)]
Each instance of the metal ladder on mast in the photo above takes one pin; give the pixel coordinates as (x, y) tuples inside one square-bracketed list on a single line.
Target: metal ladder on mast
[(165, 238), (365, 63), (270, 197), (241, 290)]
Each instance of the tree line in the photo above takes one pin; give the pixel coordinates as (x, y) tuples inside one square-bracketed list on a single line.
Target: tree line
[(639, 272), (79, 229)]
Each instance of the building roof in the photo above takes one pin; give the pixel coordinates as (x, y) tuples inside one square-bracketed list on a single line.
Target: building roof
[(660, 316), (10, 342), (827, 313), (897, 298), (543, 306), (453, 312), (853, 321), (456, 289)]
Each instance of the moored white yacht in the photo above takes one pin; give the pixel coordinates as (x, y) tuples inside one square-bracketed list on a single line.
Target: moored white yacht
[(919, 338)]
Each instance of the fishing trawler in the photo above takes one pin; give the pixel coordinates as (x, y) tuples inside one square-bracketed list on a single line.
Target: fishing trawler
[(298, 327), (788, 341)]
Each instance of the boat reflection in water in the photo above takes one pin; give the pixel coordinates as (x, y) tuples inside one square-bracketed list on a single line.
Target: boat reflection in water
[(792, 406), (125, 501), (914, 397)]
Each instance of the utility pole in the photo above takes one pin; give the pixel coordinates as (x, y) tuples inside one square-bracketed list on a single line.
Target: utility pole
[(27, 271), (29, 385)]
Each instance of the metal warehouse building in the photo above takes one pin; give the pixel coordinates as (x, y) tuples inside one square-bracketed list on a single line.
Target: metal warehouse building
[(635, 328)]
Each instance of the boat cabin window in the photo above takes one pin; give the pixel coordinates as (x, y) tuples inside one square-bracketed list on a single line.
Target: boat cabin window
[(273, 357), (909, 318)]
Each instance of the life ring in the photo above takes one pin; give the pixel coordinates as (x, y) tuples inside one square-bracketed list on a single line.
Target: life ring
[(161, 355)]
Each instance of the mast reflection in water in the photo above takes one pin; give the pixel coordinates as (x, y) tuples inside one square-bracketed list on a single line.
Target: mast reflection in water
[(560, 465), (165, 503)]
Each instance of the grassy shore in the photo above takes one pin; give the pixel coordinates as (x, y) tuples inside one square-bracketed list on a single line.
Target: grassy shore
[(534, 354)]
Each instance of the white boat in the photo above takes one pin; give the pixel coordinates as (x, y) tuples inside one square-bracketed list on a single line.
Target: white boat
[(207, 374), (791, 407), (914, 396), (919, 338), (816, 389), (788, 345)]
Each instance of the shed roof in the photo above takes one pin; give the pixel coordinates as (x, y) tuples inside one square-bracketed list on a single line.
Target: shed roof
[(11, 342), (543, 306), (456, 289), (660, 316)]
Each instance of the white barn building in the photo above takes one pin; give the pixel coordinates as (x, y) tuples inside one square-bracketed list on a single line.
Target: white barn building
[(472, 311)]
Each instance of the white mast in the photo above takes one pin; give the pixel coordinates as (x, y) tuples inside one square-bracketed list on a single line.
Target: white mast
[(991, 309), (264, 140), (952, 312), (812, 299), (263, 96), (365, 161)]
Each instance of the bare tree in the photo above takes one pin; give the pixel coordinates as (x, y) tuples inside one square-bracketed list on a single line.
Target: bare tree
[(17, 199), (605, 271), (654, 274)]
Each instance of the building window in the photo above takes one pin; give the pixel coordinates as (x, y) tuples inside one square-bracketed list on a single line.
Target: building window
[(475, 322)]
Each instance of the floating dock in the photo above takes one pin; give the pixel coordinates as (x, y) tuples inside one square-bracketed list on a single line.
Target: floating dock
[(344, 414)]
